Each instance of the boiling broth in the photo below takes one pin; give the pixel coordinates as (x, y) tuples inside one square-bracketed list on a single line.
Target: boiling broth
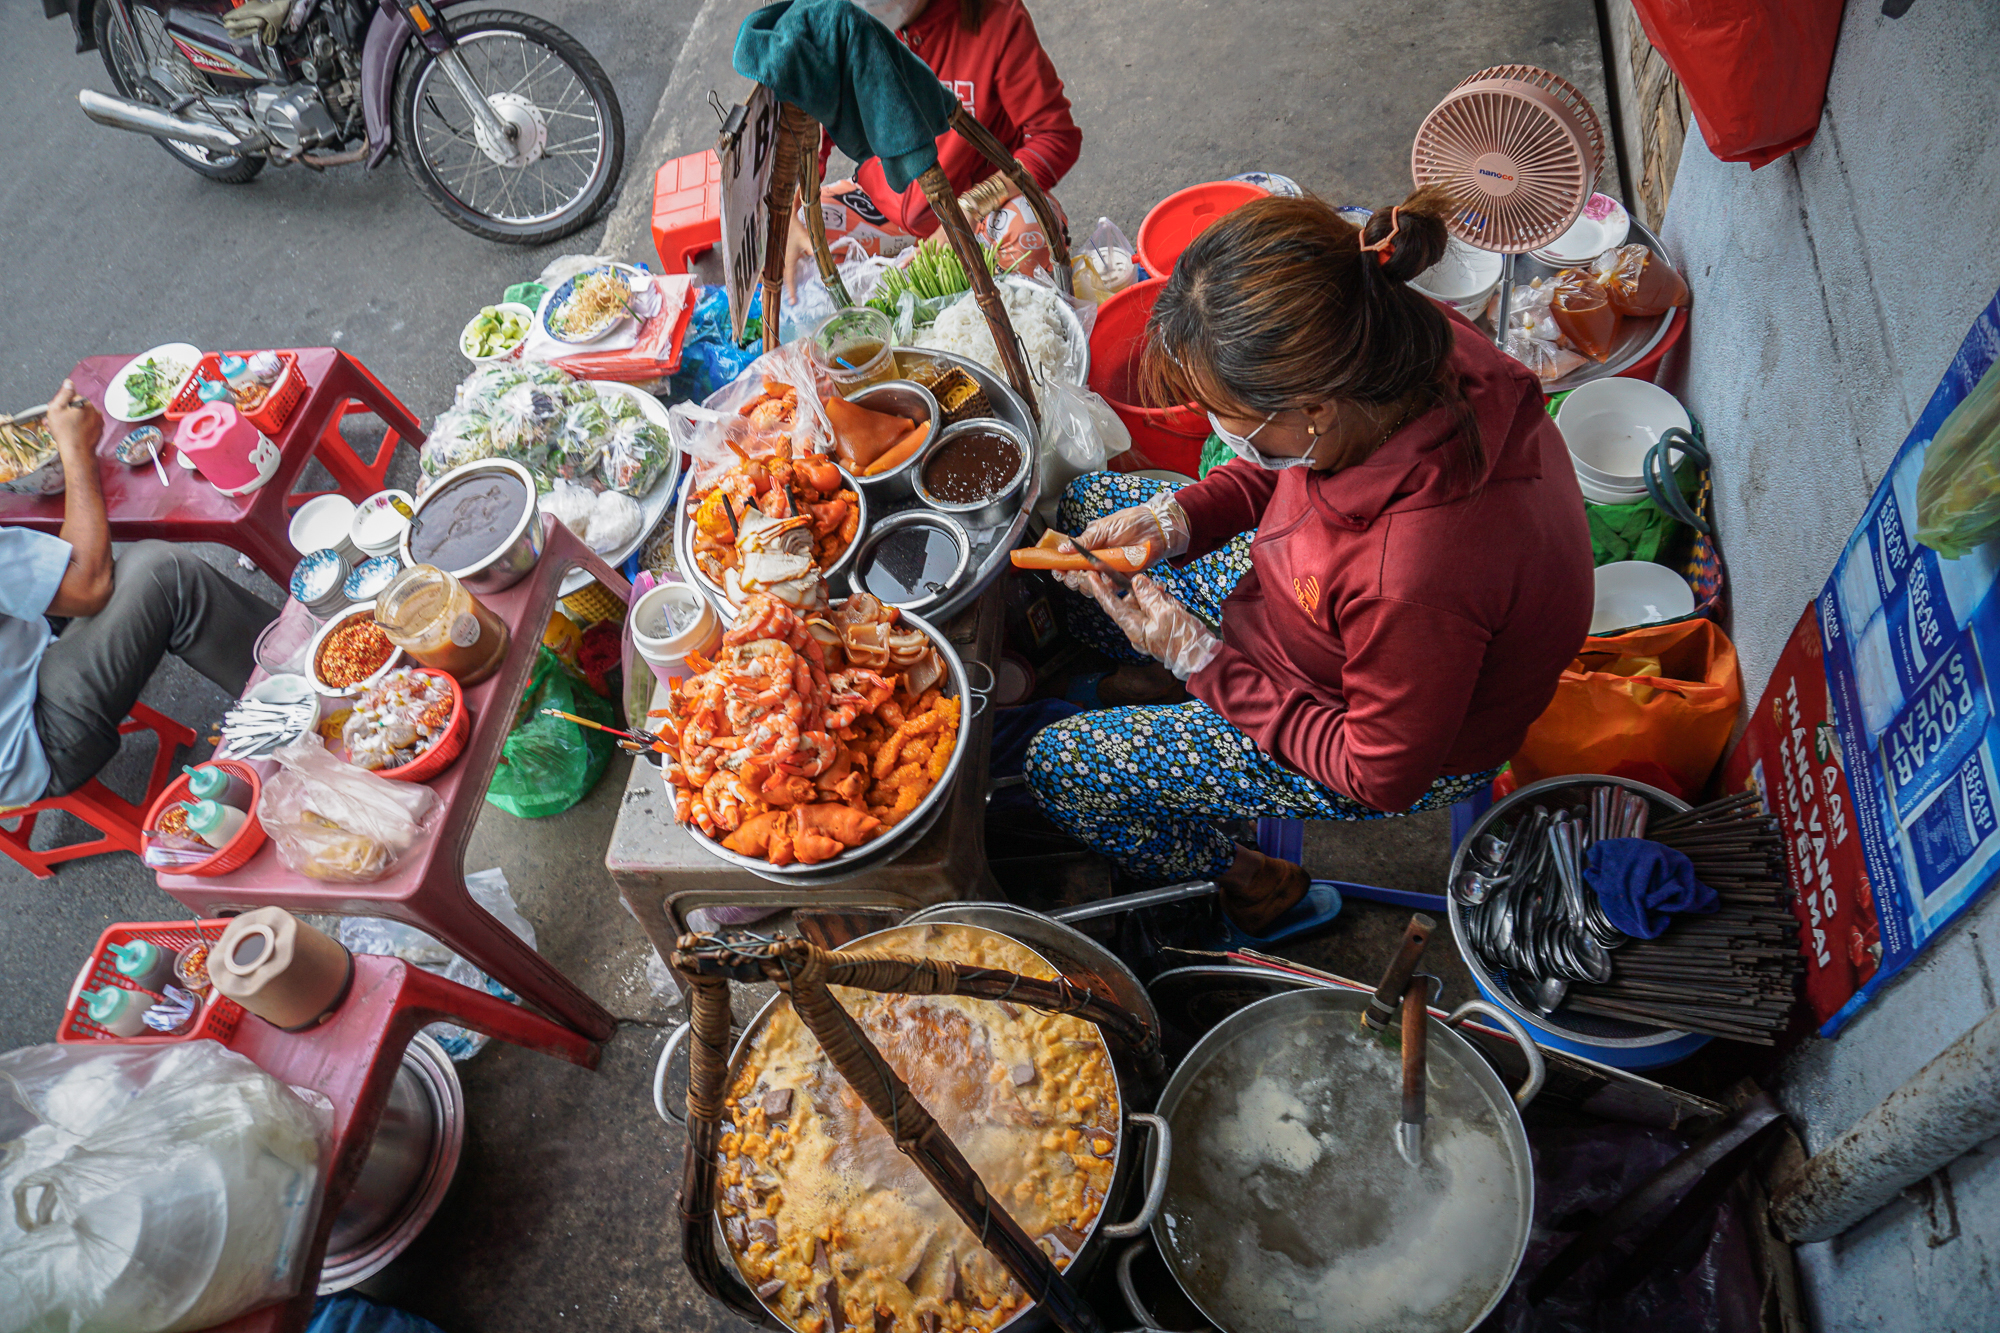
[(468, 522), (911, 564), (972, 467)]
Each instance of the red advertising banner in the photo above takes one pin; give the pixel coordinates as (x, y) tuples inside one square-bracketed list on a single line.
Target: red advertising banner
[(1791, 754)]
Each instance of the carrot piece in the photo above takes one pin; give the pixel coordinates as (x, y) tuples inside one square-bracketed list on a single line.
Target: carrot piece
[(1124, 559)]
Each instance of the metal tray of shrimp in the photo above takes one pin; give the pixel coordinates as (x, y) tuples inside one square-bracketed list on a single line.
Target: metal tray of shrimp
[(873, 855), (989, 543)]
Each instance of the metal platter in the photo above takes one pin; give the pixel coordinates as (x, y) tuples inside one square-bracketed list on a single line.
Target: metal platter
[(1638, 335), (990, 542)]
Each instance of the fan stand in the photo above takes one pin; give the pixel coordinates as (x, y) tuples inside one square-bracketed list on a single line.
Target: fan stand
[(1506, 301)]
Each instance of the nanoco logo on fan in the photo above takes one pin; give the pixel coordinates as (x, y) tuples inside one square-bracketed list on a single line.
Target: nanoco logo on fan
[(1496, 175)]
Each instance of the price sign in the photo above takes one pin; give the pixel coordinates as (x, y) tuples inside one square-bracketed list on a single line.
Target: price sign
[(748, 148)]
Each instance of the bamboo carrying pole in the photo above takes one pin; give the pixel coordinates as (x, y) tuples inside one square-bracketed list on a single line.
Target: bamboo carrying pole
[(793, 125), (958, 234), (804, 971), (1010, 166)]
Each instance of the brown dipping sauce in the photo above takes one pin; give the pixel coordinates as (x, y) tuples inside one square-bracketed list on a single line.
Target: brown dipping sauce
[(469, 522), (972, 467)]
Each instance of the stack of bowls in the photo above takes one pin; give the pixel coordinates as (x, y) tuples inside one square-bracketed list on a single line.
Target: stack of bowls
[(1610, 425), (1464, 279)]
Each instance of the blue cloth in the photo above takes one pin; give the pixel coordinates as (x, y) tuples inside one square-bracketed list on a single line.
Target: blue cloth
[(841, 66), (35, 563), (1640, 884), (350, 1312)]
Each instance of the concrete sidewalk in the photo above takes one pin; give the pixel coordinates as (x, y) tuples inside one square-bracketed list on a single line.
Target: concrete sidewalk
[(563, 1216)]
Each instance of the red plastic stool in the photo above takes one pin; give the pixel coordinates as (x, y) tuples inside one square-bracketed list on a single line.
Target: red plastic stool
[(117, 819), (687, 209), (349, 387)]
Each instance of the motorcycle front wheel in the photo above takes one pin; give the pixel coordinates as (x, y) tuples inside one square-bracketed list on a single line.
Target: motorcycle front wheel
[(565, 147)]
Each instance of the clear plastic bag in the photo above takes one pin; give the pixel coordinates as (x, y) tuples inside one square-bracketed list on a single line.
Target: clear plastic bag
[(614, 520), (706, 433), (1638, 282), (572, 505), (150, 1189), (1080, 433), (1533, 338), (1104, 266), (579, 442), (523, 423), (458, 436), (636, 455), (333, 821), (376, 935)]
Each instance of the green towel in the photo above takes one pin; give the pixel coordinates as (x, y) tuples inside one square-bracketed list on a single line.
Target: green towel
[(1214, 453), (840, 66)]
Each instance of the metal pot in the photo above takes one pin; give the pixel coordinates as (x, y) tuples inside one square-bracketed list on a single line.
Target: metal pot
[(1317, 1194), (1006, 922), (406, 1173), (903, 398), (517, 551), (684, 507), (1004, 503)]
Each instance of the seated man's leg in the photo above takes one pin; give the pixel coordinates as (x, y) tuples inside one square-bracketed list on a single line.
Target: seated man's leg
[(164, 599)]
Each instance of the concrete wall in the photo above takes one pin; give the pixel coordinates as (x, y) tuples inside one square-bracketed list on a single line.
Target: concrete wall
[(1831, 289)]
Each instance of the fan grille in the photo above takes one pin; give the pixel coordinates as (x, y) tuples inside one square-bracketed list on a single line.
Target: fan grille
[(1522, 146)]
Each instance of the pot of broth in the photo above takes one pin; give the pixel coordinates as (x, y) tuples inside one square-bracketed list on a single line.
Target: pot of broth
[(481, 523), (1288, 1209)]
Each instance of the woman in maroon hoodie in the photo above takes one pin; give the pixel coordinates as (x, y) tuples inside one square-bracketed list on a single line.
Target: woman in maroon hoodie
[(1369, 605), (988, 54)]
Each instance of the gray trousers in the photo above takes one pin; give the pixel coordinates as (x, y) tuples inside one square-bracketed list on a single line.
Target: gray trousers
[(164, 599)]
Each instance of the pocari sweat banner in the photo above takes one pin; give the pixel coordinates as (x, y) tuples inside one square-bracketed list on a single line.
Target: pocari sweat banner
[(1912, 650)]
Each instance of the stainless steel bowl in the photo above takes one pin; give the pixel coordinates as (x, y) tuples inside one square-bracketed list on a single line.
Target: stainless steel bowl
[(514, 556), (904, 398), (684, 508), (407, 1171), (912, 518), (998, 507)]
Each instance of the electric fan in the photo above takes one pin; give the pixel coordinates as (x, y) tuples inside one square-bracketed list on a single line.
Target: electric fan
[(1522, 148)]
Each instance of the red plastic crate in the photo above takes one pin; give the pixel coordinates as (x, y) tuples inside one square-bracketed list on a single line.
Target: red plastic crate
[(219, 1014), (687, 209), (287, 393)]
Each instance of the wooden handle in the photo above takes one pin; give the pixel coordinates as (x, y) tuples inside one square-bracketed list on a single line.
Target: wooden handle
[(1416, 1040), (793, 125), (1382, 1005), (958, 232), (996, 152)]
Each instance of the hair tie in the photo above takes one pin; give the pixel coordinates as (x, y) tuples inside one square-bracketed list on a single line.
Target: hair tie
[(1385, 249)]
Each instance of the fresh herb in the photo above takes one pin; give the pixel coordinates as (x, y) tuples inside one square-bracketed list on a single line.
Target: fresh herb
[(933, 271), (148, 387)]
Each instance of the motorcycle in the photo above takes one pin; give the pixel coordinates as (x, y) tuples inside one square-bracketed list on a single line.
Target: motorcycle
[(505, 122)]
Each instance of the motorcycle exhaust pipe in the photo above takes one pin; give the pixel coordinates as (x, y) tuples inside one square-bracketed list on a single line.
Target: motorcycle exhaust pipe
[(121, 114)]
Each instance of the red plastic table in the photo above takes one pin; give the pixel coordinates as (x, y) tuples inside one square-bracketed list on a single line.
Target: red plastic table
[(188, 509), (353, 1059), (426, 887)]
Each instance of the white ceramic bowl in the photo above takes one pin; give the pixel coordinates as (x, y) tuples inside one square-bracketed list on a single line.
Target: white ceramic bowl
[(322, 522), (1611, 424), (1608, 495), (511, 307), (1638, 592), (1466, 277)]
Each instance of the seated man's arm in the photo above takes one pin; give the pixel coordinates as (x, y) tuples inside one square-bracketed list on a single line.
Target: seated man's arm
[(86, 584)]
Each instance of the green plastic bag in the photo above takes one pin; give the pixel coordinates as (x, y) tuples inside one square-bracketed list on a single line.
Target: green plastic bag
[(1958, 492), (547, 764)]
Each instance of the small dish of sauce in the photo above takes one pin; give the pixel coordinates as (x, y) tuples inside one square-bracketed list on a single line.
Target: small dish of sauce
[(913, 562), (973, 466)]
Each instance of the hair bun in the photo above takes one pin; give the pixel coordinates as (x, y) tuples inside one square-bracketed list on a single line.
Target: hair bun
[(1417, 225)]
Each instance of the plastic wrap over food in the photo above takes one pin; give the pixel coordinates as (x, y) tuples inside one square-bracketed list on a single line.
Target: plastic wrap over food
[(397, 719), (718, 434)]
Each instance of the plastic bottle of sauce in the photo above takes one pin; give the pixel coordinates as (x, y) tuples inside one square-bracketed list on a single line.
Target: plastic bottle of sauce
[(213, 822), (206, 782), (118, 1011), (143, 963), (430, 615), (1583, 312)]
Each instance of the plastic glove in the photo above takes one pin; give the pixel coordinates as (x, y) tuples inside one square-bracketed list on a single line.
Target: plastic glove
[(1156, 624), (1160, 524), (262, 17)]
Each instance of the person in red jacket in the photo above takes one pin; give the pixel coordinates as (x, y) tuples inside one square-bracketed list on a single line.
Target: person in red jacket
[(1369, 605), (987, 53)]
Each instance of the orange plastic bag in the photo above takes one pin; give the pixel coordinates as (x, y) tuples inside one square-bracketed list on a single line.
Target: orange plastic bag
[(1656, 704)]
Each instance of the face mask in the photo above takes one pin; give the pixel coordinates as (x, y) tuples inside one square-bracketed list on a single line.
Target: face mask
[(1249, 452), (892, 14)]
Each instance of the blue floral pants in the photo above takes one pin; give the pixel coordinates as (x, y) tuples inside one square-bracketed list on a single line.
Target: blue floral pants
[(1143, 786)]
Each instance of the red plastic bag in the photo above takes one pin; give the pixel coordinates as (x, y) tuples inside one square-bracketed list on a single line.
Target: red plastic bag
[(1754, 70)]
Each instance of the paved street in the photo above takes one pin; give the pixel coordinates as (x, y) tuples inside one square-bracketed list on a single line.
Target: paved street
[(562, 1216)]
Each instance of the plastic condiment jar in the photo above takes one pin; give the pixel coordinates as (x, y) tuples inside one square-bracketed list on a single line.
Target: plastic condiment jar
[(213, 822), (143, 963), (206, 782), (655, 636), (429, 615), (118, 1011), (213, 391)]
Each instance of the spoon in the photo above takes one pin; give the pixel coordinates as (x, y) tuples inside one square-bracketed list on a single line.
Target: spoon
[(1548, 994), (1473, 887)]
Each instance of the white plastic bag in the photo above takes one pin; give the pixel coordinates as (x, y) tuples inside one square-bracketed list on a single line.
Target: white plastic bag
[(377, 935), (707, 432), (1104, 267), (572, 505), (147, 1189), (334, 821), (1080, 433), (614, 522)]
